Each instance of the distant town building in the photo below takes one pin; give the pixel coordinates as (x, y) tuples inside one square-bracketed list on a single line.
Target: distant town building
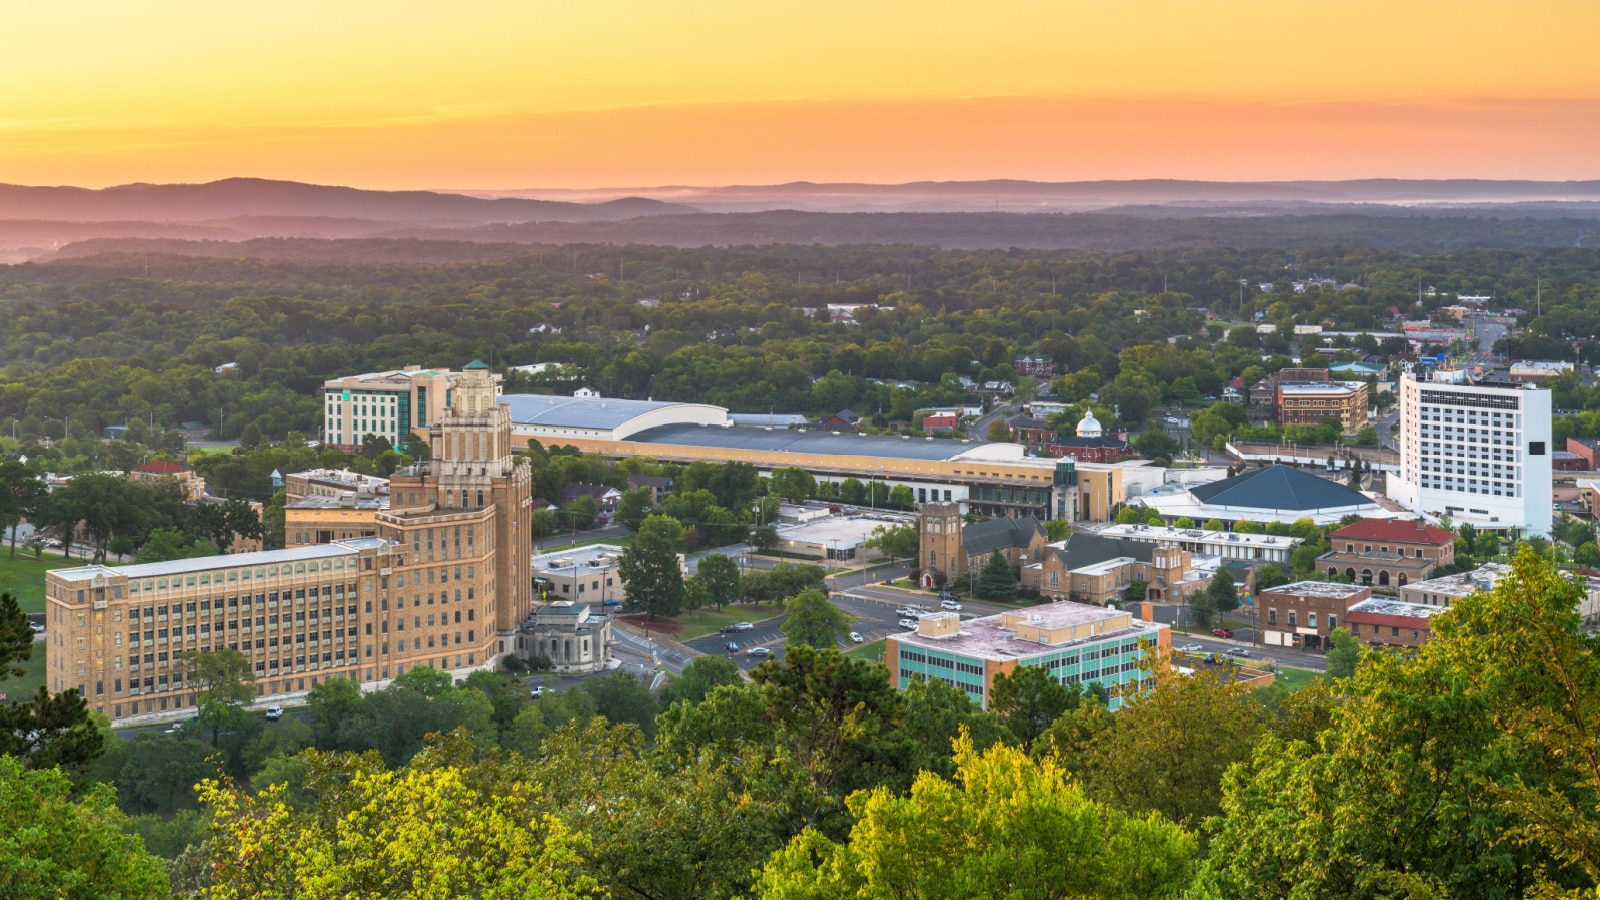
[(952, 548), (1034, 366), (390, 404)]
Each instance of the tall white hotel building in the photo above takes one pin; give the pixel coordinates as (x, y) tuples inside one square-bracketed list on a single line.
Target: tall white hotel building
[(1476, 451)]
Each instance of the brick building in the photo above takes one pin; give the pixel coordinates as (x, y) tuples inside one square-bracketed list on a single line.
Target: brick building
[(1381, 622), (1309, 402), (1388, 553), (1304, 613)]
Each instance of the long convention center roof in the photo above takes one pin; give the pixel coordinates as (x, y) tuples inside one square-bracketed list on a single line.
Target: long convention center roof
[(823, 443), (604, 418)]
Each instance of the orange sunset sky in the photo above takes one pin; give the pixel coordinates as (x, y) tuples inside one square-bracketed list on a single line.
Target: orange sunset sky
[(549, 93)]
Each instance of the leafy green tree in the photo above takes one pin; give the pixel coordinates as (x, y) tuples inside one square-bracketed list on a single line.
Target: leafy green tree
[(1454, 770), (1367, 437), (440, 827), (1487, 545), (895, 541), (652, 577), (1028, 700), (1156, 444), (997, 580), (1183, 522), (537, 722), (1057, 529), (1270, 575), (814, 620), (1201, 609), (1223, 591), (16, 637), (1344, 653), (1215, 525), (634, 507), (936, 713), (1152, 518), (581, 513), (1129, 515), (719, 575), (55, 843), (225, 678), (172, 543), (22, 494), (623, 699), (999, 431), (794, 484), (700, 677), (900, 497), (1191, 729), (159, 773), (1042, 837), (764, 538)]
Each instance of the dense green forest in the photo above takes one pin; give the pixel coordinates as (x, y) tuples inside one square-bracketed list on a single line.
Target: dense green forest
[(106, 340)]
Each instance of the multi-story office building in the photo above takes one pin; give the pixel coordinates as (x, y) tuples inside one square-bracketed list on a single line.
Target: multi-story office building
[(1309, 402), (1305, 613), (1476, 451), (1076, 643), (445, 582), (389, 404)]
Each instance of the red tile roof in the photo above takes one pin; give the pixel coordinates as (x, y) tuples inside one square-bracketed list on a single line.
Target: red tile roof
[(162, 467), (1395, 530)]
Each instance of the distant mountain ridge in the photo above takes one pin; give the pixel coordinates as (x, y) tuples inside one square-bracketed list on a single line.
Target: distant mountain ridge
[(252, 197), (1011, 195)]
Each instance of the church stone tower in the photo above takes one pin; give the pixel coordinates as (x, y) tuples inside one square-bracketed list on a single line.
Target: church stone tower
[(940, 549)]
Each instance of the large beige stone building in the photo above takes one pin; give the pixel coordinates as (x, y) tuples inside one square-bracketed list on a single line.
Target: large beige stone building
[(445, 582)]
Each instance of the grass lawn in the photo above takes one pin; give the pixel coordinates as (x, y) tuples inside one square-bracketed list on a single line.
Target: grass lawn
[(706, 621), (872, 652), (1295, 679), (24, 578), (22, 688)]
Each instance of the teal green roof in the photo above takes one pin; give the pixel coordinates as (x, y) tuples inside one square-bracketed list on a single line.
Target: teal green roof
[(475, 364)]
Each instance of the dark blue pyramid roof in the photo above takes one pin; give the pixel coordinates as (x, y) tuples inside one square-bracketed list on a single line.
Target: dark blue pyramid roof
[(1278, 487)]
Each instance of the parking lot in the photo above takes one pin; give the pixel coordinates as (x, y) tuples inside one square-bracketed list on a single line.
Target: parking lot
[(874, 619)]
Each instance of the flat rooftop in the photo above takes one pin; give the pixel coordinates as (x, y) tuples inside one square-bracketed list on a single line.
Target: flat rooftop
[(1397, 608), (983, 638), (333, 501), (1316, 387), (229, 561), (1317, 589), (1463, 583), (1196, 535), (582, 557), (845, 529)]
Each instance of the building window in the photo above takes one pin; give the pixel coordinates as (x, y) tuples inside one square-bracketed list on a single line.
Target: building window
[(1292, 618), (1272, 617), (1311, 620)]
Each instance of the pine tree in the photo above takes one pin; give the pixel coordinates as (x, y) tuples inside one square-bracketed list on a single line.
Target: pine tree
[(997, 581)]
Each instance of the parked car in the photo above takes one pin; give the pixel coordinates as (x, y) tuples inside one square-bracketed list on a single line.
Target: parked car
[(908, 623), (903, 611), (274, 713), (37, 628), (743, 626), (728, 629), (950, 605), (856, 638), (1222, 632), (1242, 651), (1191, 648), (536, 691), (947, 595), (760, 651), (732, 647), (612, 602)]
